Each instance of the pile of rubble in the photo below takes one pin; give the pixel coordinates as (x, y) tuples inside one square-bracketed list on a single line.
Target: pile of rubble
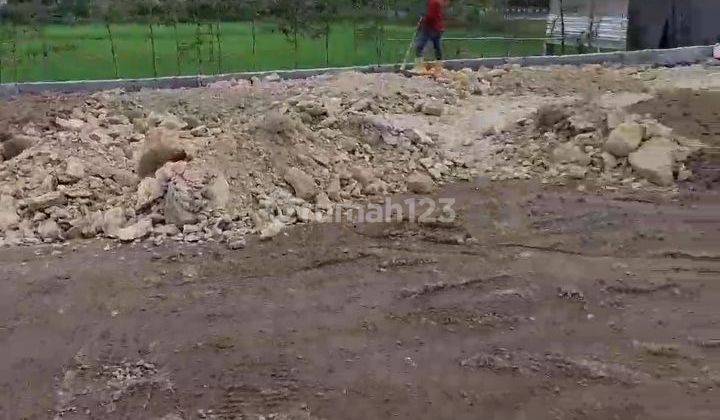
[(609, 148), (122, 172), (217, 163)]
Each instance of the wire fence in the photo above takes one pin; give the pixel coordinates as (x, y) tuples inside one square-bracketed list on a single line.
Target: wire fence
[(155, 48)]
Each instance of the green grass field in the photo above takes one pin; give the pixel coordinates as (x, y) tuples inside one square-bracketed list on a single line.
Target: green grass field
[(84, 51)]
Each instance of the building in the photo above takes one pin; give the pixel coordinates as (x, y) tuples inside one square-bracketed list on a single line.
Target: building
[(632, 24), (588, 24), (673, 23)]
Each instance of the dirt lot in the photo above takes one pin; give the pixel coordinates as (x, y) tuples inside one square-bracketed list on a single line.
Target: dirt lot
[(560, 301)]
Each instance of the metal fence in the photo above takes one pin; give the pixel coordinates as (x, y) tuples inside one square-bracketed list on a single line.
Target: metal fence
[(95, 50)]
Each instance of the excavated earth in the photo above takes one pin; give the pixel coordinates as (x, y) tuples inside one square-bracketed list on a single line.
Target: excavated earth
[(564, 288)]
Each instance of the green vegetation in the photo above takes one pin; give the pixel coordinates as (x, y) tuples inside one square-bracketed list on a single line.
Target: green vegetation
[(85, 51)]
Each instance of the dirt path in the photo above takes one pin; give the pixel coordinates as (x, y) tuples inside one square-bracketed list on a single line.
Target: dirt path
[(565, 305), (537, 302)]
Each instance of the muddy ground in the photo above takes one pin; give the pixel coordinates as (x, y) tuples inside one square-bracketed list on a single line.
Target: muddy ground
[(536, 302)]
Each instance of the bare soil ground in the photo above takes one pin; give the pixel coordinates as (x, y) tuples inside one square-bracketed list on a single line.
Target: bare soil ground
[(538, 302)]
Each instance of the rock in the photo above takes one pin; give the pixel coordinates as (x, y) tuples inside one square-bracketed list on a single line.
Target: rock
[(75, 168), (678, 152), (496, 73), (302, 183), (434, 108), (271, 229), (218, 193), (168, 230), (148, 191), (49, 184), (571, 153), (684, 174), (16, 145), (180, 207), (49, 230), (139, 230), (304, 214), (365, 176), (166, 121), (581, 124), (192, 122), (79, 192), (333, 189), (576, 171), (655, 129), (87, 226), (201, 131), (9, 218), (609, 161), (322, 201), (237, 244), (113, 220), (653, 163), (548, 116), (54, 198), (418, 137), (272, 77), (123, 177), (70, 125), (419, 183), (161, 146), (624, 139)]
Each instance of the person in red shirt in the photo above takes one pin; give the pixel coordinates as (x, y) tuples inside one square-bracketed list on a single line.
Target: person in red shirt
[(431, 28)]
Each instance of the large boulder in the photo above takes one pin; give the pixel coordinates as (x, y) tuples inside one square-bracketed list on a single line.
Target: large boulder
[(181, 207), (302, 183), (625, 139), (161, 146), (654, 163)]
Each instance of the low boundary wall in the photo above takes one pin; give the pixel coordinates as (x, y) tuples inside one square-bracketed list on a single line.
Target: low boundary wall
[(669, 57)]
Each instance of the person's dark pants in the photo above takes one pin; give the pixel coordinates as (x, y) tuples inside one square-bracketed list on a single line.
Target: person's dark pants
[(425, 36)]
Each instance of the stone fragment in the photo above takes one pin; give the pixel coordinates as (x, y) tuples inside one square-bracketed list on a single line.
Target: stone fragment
[(9, 218), (161, 146), (49, 230), (625, 139), (54, 198), (148, 191), (420, 183), (302, 183)]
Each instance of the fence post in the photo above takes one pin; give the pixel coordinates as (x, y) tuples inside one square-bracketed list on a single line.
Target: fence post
[(327, 44), (177, 45), (254, 41), (112, 49), (14, 53), (152, 47), (219, 43), (562, 28), (198, 45)]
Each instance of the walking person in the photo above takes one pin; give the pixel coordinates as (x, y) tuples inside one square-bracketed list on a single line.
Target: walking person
[(431, 29)]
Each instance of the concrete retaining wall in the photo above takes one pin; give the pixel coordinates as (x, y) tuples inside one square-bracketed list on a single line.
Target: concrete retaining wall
[(671, 57)]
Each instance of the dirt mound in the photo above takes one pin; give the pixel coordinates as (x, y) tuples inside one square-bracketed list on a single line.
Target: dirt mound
[(216, 163), (690, 113)]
